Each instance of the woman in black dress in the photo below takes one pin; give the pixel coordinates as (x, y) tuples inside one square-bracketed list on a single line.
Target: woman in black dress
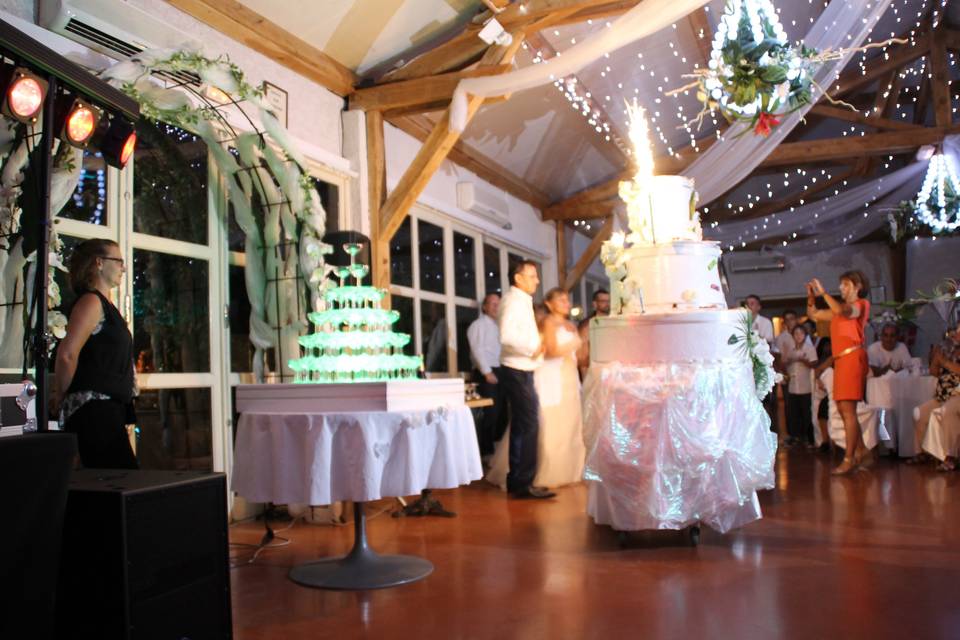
[(93, 379)]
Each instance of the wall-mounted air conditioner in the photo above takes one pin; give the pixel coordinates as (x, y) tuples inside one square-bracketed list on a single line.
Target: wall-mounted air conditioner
[(115, 28), (754, 262), (486, 204)]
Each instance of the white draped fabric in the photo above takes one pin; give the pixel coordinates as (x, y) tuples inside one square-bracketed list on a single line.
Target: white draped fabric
[(839, 215), (321, 458), (844, 24), (647, 17)]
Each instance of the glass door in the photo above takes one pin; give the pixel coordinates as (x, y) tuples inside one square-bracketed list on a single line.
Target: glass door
[(174, 269)]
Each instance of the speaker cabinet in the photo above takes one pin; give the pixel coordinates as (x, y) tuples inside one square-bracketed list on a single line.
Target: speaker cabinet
[(145, 556)]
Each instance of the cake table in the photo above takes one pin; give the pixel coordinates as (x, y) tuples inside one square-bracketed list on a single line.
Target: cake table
[(322, 457)]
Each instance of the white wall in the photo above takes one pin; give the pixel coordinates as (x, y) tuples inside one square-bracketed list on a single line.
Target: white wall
[(928, 262), (873, 259), (314, 112), (528, 232)]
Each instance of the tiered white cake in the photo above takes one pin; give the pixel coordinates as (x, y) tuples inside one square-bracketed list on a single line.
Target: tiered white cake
[(666, 300)]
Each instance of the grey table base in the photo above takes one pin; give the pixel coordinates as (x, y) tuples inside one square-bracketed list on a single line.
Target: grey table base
[(362, 568)]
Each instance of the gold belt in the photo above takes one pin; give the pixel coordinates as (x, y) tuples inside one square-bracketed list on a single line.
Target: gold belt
[(847, 351)]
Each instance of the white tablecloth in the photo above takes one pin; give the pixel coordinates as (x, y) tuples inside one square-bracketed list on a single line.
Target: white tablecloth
[(322, 458), (897, 394)]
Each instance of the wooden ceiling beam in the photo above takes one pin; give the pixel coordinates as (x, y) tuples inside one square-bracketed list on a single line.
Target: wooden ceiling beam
[(939, 79), (703, 32), (470, 159), (881, 123), (420, 93), (589, 255), (900, 56), (434, 151), (236, 21), (951, 38), (874, 144)]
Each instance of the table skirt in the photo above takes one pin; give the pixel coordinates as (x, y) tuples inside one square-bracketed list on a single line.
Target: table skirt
[(327, 457)]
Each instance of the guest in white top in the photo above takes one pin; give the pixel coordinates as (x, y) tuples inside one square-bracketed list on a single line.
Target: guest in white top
[(784, 341), (887, 353), (764, 327), (483, 335), (520, 355), (761, 324), (799, 363)]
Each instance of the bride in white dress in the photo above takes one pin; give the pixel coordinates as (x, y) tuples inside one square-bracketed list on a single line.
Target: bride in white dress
[(560, 449)]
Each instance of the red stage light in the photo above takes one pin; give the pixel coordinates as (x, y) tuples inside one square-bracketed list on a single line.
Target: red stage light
[(128, 148), (25, 94), (81, 123)]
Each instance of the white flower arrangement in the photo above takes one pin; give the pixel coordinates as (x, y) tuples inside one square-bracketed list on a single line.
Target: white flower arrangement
[(758, 351)]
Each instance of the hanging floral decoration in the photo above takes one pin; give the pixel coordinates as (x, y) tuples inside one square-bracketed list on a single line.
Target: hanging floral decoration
[(755, 75), (938, 202)]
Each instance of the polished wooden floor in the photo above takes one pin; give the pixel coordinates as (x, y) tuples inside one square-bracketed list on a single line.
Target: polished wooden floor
[(876, 555)]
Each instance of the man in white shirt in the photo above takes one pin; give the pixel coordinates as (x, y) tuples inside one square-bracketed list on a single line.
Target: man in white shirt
[(520, 355), (483, 335), (764, 327), (888, 353), (761, 324), (784, 347)]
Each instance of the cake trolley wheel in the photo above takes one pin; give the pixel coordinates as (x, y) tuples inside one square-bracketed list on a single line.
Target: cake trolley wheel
[(693, 531)]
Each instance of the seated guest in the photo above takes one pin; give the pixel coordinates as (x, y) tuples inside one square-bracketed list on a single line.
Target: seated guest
[(887, 353), (601, 307), (945, 364), (800, 360), (483, 335)]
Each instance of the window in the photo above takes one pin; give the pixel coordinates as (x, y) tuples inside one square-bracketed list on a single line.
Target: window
[(491, 270), (89, 200), (464, 266), (401, 256), (170, 183), (432, 263), (439, 273)]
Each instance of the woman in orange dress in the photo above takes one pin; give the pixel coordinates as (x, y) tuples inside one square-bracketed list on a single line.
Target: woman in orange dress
[(847, 317)]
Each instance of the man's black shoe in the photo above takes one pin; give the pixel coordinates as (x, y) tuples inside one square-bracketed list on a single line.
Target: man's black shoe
[(532, 493)]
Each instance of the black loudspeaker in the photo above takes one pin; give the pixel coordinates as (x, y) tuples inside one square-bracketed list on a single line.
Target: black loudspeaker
[(34, 472), (145, 556)]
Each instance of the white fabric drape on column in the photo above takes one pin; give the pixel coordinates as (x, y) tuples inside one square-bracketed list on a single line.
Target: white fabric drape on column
[(843, 24), (647, 17)]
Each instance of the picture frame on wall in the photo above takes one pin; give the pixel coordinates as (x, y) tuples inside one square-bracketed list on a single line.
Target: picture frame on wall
[(278, 100)]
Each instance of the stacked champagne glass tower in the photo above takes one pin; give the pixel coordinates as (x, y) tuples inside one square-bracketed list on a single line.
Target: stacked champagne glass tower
[(353, 341)]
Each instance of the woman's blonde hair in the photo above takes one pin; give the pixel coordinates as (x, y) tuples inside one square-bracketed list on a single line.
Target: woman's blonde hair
[(83, 262)]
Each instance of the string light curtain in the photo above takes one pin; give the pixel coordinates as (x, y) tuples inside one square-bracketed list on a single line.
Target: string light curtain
[(844, 24), (836, 220)]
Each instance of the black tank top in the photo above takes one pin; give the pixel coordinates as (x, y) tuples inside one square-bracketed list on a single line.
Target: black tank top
[(105, 363)]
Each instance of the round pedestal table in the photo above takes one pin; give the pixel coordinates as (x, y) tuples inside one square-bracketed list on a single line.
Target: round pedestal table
[(321, 458)]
